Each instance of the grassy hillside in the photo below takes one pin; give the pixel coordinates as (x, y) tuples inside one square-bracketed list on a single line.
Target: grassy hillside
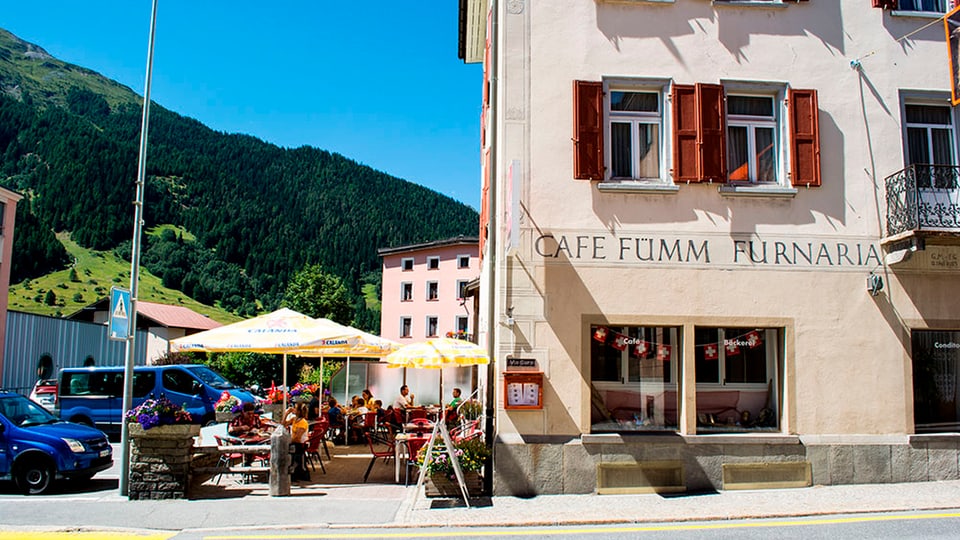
[(90, 279)]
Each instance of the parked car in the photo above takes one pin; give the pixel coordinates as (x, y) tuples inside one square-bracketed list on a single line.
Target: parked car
[(94, 395), (45, 393), (36, 447)]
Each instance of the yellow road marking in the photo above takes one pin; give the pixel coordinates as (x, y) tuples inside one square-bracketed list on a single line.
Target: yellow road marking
[(598, 529), (83, 535)]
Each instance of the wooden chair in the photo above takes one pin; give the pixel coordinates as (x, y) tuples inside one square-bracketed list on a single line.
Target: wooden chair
[(380, 447)]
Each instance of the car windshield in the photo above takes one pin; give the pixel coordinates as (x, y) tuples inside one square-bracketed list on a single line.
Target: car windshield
[(212, 378), (23, 412)]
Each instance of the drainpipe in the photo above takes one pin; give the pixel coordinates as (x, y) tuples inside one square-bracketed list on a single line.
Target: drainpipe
[(490, 287)]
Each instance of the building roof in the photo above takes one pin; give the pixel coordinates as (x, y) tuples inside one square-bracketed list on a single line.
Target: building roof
[(457, 240), (155, 314)]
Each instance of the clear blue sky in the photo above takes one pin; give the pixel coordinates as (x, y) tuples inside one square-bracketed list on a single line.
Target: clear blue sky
[(378, 82)]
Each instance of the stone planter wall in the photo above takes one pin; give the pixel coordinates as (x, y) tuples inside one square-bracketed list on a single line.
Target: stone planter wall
[(160, 461)]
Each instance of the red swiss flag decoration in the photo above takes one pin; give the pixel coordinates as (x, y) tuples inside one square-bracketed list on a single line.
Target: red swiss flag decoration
[(732, 347), (711, 351), (619, 341), (663, 352), (641, 349), (753, 339), (600, 334)]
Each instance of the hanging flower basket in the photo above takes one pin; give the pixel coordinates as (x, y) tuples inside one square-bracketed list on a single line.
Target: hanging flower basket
[(440, 485), (168, 431)]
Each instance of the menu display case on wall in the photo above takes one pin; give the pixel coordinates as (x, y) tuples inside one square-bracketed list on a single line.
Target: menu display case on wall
[(523, 390)]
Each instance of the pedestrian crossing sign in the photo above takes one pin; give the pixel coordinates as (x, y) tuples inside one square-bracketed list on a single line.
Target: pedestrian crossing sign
[(119, 328)]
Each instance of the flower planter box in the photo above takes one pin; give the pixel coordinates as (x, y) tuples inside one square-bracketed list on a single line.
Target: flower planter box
[(170, 431), (225, 416), (274, 409), (440, 486)]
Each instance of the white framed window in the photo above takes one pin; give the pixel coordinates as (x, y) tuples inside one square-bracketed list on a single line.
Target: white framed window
[(753, 139), (930, 132), (406, 264), (406, 292), (433, 290), (432, 325), (463, 324), (634, 112), (406, 327), (463, 261), (433, 263), (461, 288)]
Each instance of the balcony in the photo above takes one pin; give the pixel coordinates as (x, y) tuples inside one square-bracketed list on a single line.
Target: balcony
[(923, 203)]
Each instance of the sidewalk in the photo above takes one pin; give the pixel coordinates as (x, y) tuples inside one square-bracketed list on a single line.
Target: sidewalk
[(394, 505)]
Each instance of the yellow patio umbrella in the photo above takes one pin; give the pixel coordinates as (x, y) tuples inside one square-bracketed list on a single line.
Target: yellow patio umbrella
[(438, 353), (280, 332)]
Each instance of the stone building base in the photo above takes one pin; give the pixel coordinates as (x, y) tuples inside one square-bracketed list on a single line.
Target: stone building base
[(612, 463)]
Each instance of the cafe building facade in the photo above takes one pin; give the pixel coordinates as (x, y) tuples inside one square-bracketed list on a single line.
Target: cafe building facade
[(720, 243)]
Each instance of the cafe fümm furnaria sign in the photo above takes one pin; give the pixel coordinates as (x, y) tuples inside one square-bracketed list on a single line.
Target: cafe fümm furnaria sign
[(710, 251)]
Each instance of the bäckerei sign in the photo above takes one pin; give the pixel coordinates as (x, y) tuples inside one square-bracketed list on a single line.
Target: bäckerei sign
[(710, 251)]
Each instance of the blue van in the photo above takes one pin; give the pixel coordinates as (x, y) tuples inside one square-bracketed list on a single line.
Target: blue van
[(36, 447), (94, 395)]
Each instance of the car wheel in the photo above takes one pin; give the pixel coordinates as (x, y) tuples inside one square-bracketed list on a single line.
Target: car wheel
[(35, 476)]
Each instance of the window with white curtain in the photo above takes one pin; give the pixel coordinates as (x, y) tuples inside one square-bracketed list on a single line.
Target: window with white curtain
[(635, 129), (752, 146)]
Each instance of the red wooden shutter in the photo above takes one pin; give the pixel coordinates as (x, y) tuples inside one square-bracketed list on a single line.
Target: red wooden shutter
[(684, 133), (711, 129), (588, 130), (804, 138)]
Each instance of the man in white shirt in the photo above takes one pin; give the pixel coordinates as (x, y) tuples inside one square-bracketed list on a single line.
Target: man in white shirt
[(405, 400)]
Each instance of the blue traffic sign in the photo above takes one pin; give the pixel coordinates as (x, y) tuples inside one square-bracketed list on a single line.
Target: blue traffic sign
[(119, 328)]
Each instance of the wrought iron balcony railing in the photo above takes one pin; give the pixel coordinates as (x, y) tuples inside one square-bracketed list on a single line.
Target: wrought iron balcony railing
[(924, 198)]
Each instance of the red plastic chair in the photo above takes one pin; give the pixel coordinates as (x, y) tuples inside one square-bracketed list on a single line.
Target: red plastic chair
[(227, 459), (413, 414), (314, 440), (386, 450), (414, 444), (470, 430)]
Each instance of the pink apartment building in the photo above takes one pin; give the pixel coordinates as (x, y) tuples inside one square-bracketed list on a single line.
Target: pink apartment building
[(423, 289)]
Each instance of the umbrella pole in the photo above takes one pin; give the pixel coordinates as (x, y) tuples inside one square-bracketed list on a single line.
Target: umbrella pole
[(284, 385)]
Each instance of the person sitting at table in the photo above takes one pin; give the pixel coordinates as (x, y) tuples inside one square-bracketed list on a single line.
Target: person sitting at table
[(368, 400), (335, 414), (405, 400), (246, 424), (299, 433), (450, 414)]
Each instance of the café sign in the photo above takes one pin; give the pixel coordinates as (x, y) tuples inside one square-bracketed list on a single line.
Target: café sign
[(717, 251)]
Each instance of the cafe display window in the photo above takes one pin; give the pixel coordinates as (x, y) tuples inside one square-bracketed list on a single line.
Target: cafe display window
[(633, 373), (737, 378), (936, 359)]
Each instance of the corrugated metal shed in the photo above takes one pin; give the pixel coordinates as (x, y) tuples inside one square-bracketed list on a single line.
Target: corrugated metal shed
[(69, 343)]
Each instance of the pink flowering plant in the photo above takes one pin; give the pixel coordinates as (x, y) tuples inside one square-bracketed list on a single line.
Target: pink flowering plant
[(158, 412), (228, 403), (471, 453)]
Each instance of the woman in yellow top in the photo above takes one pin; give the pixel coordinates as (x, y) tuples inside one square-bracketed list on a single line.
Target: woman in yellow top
[(368, 400), (299, 434)]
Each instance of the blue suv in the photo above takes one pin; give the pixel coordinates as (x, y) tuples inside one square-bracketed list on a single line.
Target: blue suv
[(36, 447)]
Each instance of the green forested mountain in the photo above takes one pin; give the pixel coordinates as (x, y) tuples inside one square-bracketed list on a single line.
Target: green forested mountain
[(259, 213)]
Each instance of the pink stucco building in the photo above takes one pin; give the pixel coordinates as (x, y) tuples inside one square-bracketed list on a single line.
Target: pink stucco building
[(423, 289)]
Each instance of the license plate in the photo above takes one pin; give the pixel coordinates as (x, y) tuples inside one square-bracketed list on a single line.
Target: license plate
[(104, 453)]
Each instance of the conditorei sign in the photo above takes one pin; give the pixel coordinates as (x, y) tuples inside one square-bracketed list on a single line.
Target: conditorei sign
[(710, 251)]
